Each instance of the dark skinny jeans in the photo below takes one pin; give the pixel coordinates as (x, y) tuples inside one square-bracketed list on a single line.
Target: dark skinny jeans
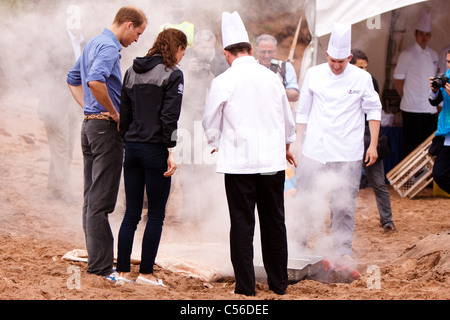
[(144, 167)]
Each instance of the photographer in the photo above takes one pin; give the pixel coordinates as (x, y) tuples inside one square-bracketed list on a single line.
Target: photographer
[(200, 65), (203, 59), (440, 92)]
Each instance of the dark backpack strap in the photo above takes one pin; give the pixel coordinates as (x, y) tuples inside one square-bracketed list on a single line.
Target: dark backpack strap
[(283, 71)]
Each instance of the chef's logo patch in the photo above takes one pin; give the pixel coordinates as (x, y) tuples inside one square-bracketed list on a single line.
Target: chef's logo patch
[(354, 91), (180, 88)]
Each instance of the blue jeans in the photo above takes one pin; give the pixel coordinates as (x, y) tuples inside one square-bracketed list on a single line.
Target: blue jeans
[(144, 167)]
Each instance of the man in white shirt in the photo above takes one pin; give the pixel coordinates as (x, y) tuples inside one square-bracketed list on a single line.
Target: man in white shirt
[(414, 67), (248, 120), (334, 98)]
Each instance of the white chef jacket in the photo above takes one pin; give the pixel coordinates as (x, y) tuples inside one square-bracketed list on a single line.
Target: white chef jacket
[(416, 65), (333, 107), (249, 119)]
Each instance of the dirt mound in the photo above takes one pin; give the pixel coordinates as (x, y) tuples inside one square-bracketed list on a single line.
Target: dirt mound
[(428, 259)]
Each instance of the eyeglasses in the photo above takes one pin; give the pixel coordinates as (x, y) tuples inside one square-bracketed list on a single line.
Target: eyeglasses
[(264, 52)]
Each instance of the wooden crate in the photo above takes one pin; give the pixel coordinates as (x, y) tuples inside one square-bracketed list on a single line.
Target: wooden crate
[(413, 173)]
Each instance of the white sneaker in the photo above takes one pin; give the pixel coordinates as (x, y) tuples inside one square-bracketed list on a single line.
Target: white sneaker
[(112, 277), (142, 280)]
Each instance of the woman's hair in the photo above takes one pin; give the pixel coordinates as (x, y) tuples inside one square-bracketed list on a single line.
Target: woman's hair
[(133, 14), (167, 44)]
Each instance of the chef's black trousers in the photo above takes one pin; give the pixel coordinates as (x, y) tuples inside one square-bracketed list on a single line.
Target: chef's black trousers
[(265, 191)]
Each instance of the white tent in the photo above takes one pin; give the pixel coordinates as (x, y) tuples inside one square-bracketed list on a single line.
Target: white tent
[(321, 14), (373, 32)]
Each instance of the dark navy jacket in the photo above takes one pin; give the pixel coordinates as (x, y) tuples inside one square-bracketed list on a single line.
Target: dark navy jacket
[(151, 102)]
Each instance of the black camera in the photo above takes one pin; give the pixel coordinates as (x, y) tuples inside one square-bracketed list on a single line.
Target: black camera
[(203, 67), (439, 81), (275, 65)]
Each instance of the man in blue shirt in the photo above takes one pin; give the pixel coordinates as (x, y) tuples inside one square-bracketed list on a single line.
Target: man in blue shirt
[(95, 82), (266, 51)]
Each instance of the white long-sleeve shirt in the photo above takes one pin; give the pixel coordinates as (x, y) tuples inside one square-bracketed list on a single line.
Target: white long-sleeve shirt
[(415, 66), (333, 108), (249, 119)]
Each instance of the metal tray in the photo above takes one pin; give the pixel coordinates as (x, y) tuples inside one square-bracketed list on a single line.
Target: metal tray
[(298, 268)]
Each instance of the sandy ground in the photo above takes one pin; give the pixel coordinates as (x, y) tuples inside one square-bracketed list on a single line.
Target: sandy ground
[(35, 233)]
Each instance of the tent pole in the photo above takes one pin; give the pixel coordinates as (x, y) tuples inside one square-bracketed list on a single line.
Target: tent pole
[(314, 36)]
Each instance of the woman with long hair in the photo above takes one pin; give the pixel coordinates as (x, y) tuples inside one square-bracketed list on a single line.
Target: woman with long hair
[(150, 108)]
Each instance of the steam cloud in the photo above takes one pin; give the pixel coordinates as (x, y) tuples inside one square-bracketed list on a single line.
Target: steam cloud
[(36, 57)]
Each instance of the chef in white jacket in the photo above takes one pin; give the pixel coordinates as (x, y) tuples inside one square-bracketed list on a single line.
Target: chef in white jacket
[(249, 122), (334, 98)]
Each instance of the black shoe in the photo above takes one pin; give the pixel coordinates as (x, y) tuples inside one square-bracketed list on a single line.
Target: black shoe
[(390, 229)]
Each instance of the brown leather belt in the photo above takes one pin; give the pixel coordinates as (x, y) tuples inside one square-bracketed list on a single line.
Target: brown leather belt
[(96, 117)]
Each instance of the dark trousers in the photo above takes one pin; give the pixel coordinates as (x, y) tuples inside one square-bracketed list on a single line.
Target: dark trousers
[(441, 169), (244, 191), (376, 177), (417, 127), (102, 148), (144, 167)]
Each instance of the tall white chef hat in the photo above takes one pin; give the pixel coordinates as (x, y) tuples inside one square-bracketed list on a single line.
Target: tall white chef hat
[(424, 23), (233, 29), (339, 46)]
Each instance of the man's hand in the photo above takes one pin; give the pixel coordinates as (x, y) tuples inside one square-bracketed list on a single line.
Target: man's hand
[(100, 92), (447, 88), (431, 85), (115, 117), (290, 157), (371, 155)]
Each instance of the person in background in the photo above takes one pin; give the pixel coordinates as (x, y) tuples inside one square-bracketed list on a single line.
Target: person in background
[(248, 121), (414, 67), (203, 59), (150, 106), (441, 167), (178, 20), (95, 82), (334, 99), (442, 60), (59, 111), (266, 52), (375, 173), (200, 65)]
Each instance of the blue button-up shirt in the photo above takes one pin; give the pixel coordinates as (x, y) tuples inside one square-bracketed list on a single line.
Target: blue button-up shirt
[(100, 61)]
